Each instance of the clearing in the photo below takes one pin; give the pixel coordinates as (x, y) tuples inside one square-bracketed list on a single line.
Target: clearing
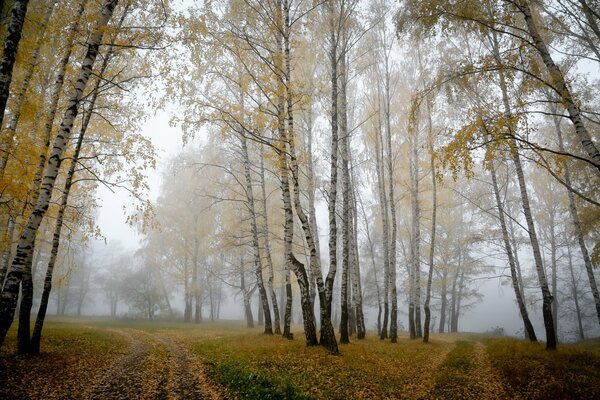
[(100, 359)]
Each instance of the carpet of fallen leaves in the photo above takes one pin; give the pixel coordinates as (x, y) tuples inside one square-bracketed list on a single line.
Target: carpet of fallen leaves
[(73, 358), (136, 360)]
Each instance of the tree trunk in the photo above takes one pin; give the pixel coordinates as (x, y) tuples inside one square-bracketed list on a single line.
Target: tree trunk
[(20, 270), (342, 79), (268, 258), (577, 223), (39, 323), (561, 87), (20, 97), (392, 205), (258, 267), (529, 331), (54, 99), (433, 227), (355, 264), (574, 294), (7, 62), (551, 342), (327, 337), (444, 300), (416, 235), (385, 226)]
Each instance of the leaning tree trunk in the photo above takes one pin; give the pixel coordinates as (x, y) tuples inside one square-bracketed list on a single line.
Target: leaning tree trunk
[(7, 63), (577, 223), (20, 270), (39, 322), (529, 331), (289, 139), (537, 255), (20, 97), (54, 98), (560, 85)]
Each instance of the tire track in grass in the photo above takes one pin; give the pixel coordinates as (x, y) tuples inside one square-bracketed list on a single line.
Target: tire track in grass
[(187, 379), (125, 379), (467, 374)]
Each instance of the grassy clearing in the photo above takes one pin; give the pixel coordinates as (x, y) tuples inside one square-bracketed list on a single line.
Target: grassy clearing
[(251, 365), (256, 366), (531, 372)]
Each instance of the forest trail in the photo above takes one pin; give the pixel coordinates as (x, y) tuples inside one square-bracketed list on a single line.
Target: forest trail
[(154, 367), (485, 378), (466, 373)]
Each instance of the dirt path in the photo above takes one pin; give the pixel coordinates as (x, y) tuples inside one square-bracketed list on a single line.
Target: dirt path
[(154, 367), (187, 379), (124, 380)]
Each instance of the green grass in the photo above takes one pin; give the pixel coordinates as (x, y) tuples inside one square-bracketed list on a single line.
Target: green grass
[(452, 380)]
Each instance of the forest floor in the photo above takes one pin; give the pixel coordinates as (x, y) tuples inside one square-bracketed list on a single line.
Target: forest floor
[(100, 359)]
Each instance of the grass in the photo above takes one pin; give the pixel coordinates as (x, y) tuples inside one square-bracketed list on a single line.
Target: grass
[(531, 372), (251, 365)]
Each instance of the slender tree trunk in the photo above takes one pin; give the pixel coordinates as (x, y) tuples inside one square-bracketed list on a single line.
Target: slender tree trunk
[(554, 271), (7, 62), (333, 58), (574, 293), (10, 233), (577, 223), (54, 99), (247, 296), (297, 267), (385, 226), (551, 342), (561, 87), (268, 258), (20, 271), (373, 265), (416, 235), (392, 206), (187, 292), (355, 263), (258, 267), (312, 214), (444, 300), (39, 323), (433, 227), (346, 222), (529, 331), (20, 96)]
